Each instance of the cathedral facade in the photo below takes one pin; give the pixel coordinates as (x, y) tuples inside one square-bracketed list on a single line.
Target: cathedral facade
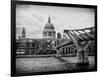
[(27, 46)]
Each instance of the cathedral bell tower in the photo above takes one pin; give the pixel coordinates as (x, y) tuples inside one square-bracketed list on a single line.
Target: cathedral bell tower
[(23, 33)]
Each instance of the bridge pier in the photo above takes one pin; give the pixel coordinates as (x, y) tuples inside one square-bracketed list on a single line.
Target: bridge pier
[(58, 53), (82, 58), (82, 53)]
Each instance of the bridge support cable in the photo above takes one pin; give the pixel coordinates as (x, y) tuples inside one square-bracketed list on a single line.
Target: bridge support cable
[(80, 38), (77, 43), (88, 34), (82, 35), (73, 38)]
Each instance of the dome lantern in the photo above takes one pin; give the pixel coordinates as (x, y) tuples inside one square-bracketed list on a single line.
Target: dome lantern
[(49, 20), (49, 25)]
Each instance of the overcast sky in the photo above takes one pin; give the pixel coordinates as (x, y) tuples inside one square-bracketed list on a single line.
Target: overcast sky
[(34, 18)]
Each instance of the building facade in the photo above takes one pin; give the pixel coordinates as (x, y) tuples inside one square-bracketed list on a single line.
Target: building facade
[(34, 47)]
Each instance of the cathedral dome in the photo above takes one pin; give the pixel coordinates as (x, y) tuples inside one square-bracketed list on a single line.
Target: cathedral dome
[(49, 25), (49, 31)]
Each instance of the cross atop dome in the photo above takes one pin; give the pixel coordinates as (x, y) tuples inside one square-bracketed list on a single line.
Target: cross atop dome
[(49, 21)]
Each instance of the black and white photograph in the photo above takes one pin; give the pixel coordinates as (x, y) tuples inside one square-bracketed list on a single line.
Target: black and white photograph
[(52, 38)]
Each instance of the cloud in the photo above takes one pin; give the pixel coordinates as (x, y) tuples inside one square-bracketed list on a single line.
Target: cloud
[(39, 18), (34, 18)]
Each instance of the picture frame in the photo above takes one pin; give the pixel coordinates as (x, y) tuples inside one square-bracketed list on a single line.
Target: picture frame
[(15, 58)]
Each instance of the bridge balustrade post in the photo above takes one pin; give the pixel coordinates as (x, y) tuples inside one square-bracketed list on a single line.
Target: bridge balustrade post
[(65, 50)]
